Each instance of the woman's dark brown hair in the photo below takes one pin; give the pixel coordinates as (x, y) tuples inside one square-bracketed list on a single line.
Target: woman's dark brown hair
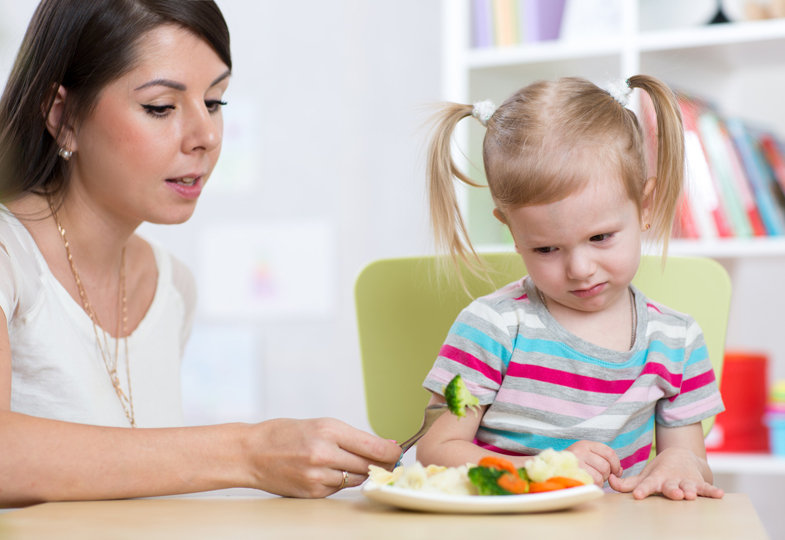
[(82, 45)]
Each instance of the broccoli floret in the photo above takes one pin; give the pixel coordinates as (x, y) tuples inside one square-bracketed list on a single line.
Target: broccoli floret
[(486, 479), (458, 397)]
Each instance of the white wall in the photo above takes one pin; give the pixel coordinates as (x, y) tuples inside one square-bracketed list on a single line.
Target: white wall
[(323, 127)]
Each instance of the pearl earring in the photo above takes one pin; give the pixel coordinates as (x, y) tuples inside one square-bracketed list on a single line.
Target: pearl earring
[(65, 154)]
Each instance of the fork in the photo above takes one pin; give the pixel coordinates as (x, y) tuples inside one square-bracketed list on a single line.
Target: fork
[(432, 412)]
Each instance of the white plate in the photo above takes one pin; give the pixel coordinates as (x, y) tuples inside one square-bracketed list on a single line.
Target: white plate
[(481, 504)]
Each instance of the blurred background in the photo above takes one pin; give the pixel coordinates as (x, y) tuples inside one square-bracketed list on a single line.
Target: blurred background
[(322, 172)]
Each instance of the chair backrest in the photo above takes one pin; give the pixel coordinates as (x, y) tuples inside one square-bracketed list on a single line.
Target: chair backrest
[(405, 309)]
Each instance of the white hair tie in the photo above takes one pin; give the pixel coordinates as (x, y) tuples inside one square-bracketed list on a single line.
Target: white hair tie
[(620, 91), (483, 110)]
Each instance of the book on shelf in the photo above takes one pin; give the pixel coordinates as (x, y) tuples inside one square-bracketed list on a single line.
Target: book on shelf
[(734, 175), (760, 177), (505, 23), (482, 24)]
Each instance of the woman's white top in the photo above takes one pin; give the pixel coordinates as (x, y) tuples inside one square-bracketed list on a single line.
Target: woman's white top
[(57, 370)]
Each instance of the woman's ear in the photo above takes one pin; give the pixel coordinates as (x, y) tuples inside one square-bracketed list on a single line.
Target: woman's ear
[(647, 200), (54, 116)]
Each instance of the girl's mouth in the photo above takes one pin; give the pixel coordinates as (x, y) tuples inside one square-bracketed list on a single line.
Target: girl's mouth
[(591, 291)]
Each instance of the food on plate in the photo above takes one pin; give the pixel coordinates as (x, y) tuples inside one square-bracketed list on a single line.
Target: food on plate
[(433, 478), (492, 475), (458, 397)]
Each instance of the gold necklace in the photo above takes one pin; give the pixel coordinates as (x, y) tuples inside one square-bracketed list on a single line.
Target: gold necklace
[(633, 313), (126, 400)]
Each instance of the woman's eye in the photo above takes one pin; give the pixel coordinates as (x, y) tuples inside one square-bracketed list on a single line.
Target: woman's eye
[(214, 105), (600, 237), (158, 111)]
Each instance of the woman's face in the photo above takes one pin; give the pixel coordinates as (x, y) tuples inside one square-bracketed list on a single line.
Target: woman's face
[(147, 149)]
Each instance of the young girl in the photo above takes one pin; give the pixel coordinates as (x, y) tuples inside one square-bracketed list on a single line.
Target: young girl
[(573, 356), (111, 117)]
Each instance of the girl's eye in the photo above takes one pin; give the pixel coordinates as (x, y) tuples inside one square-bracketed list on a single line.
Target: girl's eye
[(601, 237), (158, 111), (214, 105), (544, 250)]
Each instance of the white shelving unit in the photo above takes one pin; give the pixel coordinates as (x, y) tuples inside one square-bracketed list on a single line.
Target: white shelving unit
[(730, 64)]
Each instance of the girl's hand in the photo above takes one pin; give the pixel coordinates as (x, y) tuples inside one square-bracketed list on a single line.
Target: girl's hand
[(675, 472), (598, 459), (306, 458)]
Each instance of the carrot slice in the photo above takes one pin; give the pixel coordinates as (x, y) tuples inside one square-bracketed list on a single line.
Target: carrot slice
[(513, 483), (547, 485), (566, 481), (498, 463)]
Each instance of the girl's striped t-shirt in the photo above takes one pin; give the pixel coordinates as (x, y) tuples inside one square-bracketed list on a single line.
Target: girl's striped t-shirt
[(547, 388)]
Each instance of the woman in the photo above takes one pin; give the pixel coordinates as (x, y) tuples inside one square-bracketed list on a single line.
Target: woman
[(112, 117)]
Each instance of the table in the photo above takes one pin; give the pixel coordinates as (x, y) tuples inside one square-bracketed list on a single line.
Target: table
[(349, 515)]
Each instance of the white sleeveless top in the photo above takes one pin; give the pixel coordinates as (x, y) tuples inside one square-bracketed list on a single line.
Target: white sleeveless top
[(56, 367)]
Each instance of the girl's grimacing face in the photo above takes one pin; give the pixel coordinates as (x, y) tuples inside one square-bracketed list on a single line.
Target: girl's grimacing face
[(150, 144), (582, 251)]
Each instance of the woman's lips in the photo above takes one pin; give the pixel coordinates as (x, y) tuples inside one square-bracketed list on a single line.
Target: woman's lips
[(188, 187)]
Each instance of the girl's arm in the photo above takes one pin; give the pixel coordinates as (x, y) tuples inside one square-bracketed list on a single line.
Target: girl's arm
[(679, 471), (47, 460), (449, 442)]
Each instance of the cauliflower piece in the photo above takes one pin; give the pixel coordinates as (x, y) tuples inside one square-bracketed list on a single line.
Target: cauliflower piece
[(550, 463)]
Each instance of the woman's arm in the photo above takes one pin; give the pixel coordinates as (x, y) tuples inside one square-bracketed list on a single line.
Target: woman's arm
[(679, 471), (45, 460)]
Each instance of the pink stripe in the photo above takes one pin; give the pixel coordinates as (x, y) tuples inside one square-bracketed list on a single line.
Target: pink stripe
[(699, 381), (565, 378), (642, 454), (674, 379), (549, 404), (647, 394), (523, 297), (653, 307), (588, 384), (443, 376), (493, 448), (466, 359), (692, 409)]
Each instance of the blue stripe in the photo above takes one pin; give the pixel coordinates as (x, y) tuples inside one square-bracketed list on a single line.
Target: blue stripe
[(482, 340), (698, 355), (561, 350), (542, 442)]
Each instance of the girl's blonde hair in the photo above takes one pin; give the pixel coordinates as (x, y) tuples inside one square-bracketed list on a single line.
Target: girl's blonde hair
[(537, 146)]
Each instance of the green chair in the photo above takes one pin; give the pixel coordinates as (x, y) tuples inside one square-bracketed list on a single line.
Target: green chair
[(405, 309)]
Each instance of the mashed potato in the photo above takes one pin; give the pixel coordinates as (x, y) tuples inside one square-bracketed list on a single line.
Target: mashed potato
[(433, 478)]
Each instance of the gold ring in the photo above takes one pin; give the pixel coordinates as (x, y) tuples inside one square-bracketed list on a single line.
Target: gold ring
[(345, 480)]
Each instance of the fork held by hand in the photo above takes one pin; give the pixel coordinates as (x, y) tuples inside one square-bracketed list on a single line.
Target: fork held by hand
[(432, 412)]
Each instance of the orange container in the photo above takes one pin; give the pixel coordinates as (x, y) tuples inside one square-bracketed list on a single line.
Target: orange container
[(741, 427)]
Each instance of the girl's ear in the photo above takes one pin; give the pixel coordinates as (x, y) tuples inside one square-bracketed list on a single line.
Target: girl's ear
[(65, 136), (647, 201), (500, 216)]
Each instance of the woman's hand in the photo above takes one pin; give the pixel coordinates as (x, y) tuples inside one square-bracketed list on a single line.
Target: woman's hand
[(675, 472), (307, 458), (598, 459)]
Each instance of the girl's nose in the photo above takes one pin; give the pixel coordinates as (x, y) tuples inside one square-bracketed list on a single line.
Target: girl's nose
[(580, 265)]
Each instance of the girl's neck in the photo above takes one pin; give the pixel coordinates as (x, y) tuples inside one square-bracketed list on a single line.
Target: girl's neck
[(612, 328)]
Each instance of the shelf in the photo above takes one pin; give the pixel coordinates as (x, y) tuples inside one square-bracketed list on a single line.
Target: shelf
[(727, 463)]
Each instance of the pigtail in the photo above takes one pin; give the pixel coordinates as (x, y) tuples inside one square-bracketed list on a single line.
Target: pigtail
[(670, 155), (449, 229)]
